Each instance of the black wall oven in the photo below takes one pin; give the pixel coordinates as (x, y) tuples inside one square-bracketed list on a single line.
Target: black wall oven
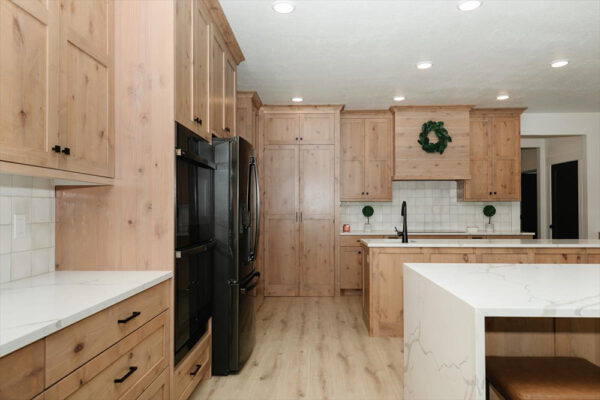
[(194, 238)]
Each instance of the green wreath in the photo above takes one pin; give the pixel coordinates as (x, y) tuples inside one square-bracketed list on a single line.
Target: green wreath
[(441, 133)]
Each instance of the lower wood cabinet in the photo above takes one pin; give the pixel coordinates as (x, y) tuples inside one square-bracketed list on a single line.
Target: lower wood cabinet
[(194, 368), (22, 372), (351, 268)]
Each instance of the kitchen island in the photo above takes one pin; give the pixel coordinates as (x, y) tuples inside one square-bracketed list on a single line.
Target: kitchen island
[(449, 309), (383, 296)]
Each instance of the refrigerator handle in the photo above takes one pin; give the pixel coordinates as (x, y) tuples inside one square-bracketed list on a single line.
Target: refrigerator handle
[(256, 205)]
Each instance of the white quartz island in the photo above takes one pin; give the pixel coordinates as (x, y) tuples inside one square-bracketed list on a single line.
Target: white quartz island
[(33, 308), (445, 306)]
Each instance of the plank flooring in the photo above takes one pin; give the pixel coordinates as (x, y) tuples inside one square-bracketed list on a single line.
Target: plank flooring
[(313, 348)]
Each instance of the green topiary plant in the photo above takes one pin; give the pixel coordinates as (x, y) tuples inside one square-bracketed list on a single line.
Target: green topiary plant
[(368, 212), (489, 211)]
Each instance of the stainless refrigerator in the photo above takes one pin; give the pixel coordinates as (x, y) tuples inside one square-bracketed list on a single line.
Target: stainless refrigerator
[(237, 222)]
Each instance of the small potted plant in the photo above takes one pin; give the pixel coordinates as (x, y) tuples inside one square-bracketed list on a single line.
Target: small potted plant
[(368, 212), (489, 211)]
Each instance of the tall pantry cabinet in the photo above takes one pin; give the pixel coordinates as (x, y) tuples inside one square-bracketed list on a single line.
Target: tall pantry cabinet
[(300, 191)]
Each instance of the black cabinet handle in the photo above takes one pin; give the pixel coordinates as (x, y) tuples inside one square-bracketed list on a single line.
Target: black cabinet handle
[(490, 193), (127, 375), (227, 130), (359, 252), (367, 193), (56, 149), (301, 138), (67, 151), (194, 372), (198, 120), (132, 316), (495, 192), (296, 139), (363, 193)]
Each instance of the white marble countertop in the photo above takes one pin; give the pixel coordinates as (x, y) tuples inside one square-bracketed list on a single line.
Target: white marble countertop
[(548, 243), (520, 290), (441, 233), (35, 307)]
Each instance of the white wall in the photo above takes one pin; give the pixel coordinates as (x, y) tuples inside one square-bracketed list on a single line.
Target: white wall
[(31, 252), (572, 124)]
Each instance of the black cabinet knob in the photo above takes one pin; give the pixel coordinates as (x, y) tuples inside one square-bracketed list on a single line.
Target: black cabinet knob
[(495, 192), (227, 130), (359, 252), (490, 193), (66, 151), (301, 138), (296, 139), (56, 149), (367, 193), (363, 193), (198, 120)]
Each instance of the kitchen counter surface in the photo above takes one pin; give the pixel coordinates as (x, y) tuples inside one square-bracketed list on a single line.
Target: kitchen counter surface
[(35, 307), (441, 233), (528, 243), (456, 299)]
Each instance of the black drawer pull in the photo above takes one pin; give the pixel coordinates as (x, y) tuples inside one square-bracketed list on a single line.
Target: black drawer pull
[(132, 316), (56, 149), (198, 120), (227, 130), (194, 372), (67, 151), (127, 375)]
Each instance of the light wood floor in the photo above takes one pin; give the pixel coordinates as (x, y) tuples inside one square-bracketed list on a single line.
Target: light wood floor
[(313, 348)]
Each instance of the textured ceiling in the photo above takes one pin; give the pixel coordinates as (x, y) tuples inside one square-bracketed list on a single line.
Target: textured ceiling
[(362, 53)]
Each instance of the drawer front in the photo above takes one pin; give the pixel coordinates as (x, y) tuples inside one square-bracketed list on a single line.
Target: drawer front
[(73, 346), (159, 389), (22, 372), (195, 367), (124, 370), (355, 240)]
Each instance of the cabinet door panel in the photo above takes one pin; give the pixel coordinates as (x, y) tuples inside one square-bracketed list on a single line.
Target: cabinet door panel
[(478, 188), (317, 181), (351, 268), (378, 159), (506, 180), (29, 82), (229, 97), (352, 186), (378, 180), (217, 86), (316, 258), (201, 43), (280, 165), (317, 128), (281, 256), (281, 128), (506, 158)]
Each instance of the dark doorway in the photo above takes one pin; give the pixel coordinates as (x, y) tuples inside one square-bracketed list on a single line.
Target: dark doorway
[(565, 201), (529, 203)]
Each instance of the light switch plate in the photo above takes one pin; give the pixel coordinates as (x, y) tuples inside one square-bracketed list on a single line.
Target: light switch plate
[(18, 226)]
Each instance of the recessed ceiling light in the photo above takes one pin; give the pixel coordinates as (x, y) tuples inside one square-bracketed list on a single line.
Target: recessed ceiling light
[(502, 97), (559, 63), (297, 99), (283, 6), (399, 98), (424, 65), (469, 5)]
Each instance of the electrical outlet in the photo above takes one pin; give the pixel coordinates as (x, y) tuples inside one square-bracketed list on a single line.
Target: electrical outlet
[(18, 226)]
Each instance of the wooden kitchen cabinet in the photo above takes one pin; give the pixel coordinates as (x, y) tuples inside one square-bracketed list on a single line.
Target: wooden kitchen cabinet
[(217, 86), (351, 268), (366, 156), (281, 128), (247, 106), (495, 156), (229, 128), (317, 128), (29, 36), (22, 372)]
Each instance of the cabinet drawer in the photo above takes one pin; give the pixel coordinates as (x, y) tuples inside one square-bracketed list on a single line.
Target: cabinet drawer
[(73, 346), (355, 240), (159, 389), (22, 372), (124, 370), (195, 367)]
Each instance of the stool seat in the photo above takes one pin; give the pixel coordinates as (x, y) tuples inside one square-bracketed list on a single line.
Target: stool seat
[(544, 378)]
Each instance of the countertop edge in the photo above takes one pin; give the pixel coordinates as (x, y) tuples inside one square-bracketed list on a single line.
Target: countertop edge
[(56, 325)]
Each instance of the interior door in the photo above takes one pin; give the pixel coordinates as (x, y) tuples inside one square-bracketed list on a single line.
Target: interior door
[(86, 81), (352, 179), (317, 220), (565, 201), (280, 166), (506, 166), (378, 159), (29, 41)]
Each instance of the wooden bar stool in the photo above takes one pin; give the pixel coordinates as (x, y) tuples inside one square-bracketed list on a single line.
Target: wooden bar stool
[(543, 378)]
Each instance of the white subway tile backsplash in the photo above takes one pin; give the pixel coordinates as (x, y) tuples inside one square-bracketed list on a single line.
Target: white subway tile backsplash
[(28, 250), (432, 206)]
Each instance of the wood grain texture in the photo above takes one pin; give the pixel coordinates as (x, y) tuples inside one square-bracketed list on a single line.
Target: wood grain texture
[(530, 337), (230, 85), (198, 359), (160, 389), (222, 25), (281, 128), (412, 163), (248, 104), (313, 348), (351, 268), (29, 59), (22, 372), (579, 337), (130, 225)]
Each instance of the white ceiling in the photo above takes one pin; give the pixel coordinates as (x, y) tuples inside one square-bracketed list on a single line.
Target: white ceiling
[(362, 53)]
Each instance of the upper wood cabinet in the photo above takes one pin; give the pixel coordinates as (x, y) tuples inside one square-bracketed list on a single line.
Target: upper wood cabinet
[(366, 156), (86, 117), (411, 162), (205, 69), (29, 40), (299, 128), (495, 156), (247, 106)]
